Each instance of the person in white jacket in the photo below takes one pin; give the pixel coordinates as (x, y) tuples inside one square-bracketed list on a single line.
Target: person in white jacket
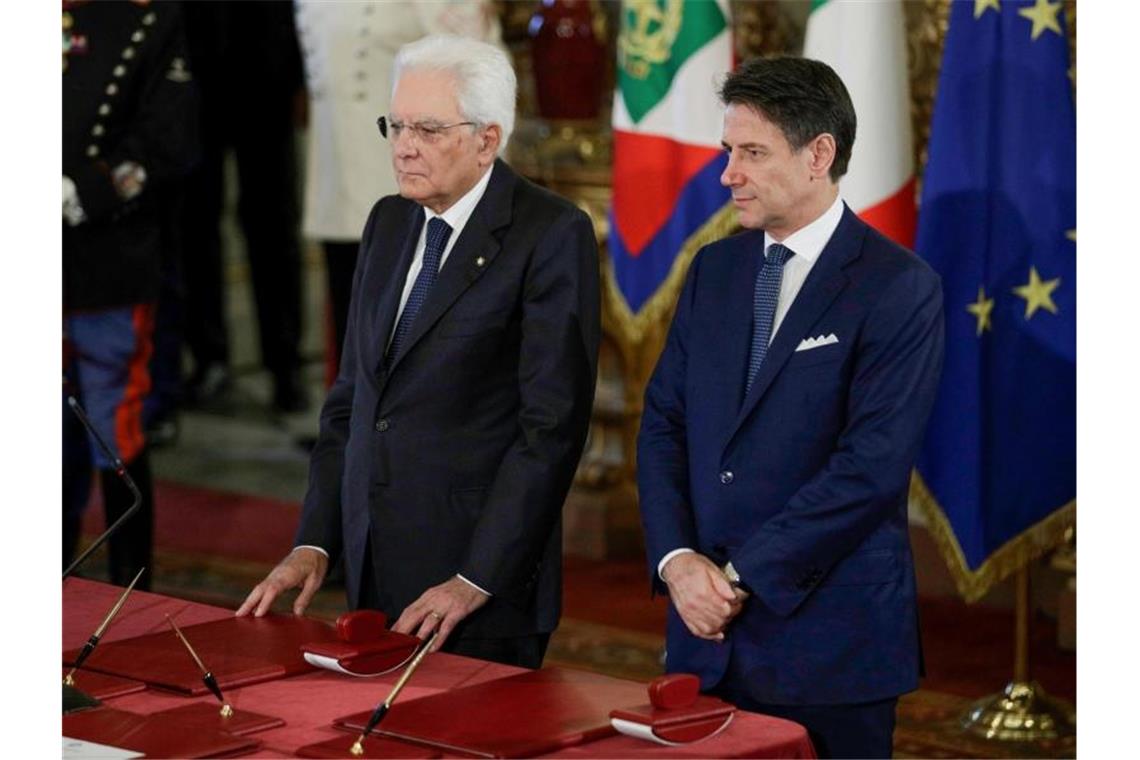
[(349, 49)]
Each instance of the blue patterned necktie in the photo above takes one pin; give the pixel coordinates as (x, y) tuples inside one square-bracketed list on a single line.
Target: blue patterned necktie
[(438, 231), (764, 297)]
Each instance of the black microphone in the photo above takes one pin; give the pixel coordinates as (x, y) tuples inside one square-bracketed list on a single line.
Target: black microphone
[(120, 470)]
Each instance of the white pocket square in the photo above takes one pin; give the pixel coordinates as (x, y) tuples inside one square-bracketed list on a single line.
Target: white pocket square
[(807, 344)]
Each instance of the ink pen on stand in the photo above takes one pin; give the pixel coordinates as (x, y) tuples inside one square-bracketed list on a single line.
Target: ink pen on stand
[(93, 642), (382, 709)]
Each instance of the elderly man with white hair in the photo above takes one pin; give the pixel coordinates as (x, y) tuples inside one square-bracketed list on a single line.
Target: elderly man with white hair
[(450, 438)]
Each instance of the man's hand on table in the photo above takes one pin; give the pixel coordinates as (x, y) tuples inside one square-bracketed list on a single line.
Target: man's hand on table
[(704, 598), (443, 607), (304, 567)]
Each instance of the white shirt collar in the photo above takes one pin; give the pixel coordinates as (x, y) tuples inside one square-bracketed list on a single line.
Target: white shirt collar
[(808, 241), (457, 215)]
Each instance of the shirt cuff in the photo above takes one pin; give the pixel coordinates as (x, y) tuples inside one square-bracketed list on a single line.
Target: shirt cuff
[(473, 585), (665, 560), (310, 546)]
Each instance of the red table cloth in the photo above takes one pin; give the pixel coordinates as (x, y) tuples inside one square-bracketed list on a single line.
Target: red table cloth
[(309, 703)]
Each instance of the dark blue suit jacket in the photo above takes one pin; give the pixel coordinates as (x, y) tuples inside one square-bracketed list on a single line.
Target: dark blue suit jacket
[(803, 483), (457, 456)]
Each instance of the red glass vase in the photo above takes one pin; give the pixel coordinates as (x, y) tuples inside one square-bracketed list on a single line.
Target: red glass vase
[(569, 60)]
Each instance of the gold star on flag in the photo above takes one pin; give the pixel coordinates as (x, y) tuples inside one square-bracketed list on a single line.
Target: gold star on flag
[(1038, 293), (1071, 235), (1044, 16), (981, 6), (982, 308)]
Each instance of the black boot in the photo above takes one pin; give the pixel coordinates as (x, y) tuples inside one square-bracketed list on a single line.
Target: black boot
[(131, 548)]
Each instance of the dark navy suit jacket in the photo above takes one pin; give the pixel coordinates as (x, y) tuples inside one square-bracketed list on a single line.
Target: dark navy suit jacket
[(803, 483), (456, 457)]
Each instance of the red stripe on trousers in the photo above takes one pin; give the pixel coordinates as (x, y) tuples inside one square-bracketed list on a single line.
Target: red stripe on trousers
[(129, 436)]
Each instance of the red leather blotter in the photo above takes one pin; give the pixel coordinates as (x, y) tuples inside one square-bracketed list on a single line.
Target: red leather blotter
[(518, 716), (152, 735), (374, 746), (681, 725), (365, 647), (208, 715), (239, 651), (102, 686), (676, 712)]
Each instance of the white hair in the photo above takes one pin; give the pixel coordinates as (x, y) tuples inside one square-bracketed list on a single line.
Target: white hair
[(486, 86)]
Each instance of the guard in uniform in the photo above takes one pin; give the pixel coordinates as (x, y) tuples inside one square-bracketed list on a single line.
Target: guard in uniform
[(128, 130)]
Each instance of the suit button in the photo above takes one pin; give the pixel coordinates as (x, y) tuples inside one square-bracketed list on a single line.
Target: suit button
[(382, 425), (727, 477)]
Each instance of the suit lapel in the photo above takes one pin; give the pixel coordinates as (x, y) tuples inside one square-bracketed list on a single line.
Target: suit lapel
[(472, 255), (392, 272), (826, 281)]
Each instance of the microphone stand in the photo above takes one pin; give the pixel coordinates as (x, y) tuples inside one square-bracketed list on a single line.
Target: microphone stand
[(74, 699), (121, 471)]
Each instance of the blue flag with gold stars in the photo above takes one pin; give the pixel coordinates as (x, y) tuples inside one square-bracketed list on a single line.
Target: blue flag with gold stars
[(997, 474)]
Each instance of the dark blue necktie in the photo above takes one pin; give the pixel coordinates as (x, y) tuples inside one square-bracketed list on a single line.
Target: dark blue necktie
[(764, 297), (438, 231)]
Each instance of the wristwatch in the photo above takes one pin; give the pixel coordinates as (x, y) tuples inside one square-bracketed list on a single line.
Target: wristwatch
[(733, 576)]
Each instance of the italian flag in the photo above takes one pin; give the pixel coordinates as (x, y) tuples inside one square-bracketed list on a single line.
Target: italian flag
[(865, 42), (667, 128)]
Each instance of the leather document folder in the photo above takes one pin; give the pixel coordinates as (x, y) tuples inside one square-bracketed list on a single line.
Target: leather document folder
[(152, 735), (523, 715), (102, 686), (238, 651), (374, 746), (208, 715)]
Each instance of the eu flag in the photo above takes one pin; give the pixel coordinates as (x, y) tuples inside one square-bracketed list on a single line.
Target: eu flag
[(998, 222)]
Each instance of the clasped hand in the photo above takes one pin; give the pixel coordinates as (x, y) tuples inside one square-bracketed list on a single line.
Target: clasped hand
[(703, 597)]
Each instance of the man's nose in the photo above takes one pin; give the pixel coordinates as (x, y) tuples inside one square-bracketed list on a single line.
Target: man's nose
[(730, 177), (404, 143)]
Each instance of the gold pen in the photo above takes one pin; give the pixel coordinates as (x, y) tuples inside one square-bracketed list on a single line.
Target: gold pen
[(382, 709), (93, 642), (207, 676)]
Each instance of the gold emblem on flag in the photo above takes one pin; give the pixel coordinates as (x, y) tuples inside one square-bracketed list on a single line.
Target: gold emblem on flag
[(647, 37)]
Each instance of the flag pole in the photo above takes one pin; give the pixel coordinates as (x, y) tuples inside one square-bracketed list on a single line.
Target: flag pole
[(1022, 712)]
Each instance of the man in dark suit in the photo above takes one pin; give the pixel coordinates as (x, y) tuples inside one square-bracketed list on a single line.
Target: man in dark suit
[(450, 437), (780, 427)]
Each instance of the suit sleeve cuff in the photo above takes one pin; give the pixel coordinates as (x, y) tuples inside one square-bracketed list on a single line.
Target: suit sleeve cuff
[(665, 560), (310, 546), (475, 586)]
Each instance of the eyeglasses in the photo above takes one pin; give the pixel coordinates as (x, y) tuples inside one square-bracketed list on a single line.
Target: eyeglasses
[(427, 132)]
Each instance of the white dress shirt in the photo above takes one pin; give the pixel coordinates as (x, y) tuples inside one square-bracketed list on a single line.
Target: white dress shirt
[(806, 243)]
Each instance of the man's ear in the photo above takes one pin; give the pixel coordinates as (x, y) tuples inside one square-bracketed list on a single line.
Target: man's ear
[(489, 139), (821, 155)]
